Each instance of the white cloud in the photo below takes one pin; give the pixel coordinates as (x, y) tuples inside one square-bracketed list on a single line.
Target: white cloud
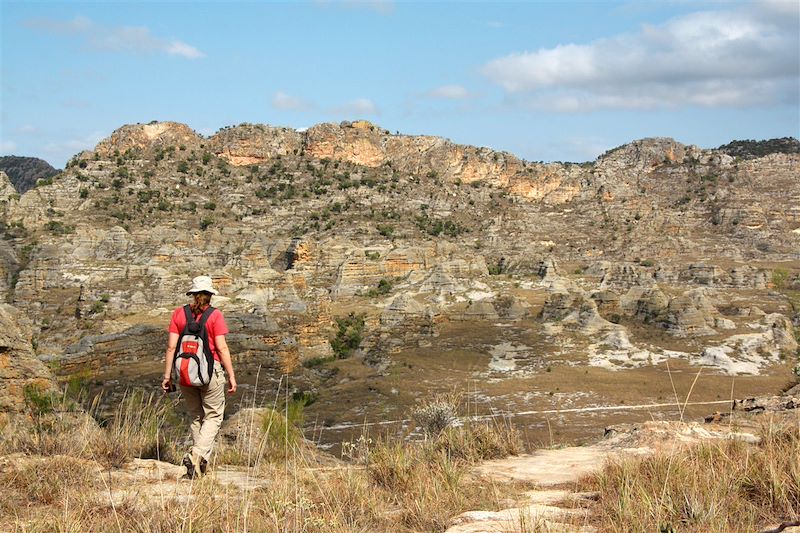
[(27, 129), (450, 92), (136, 39), (359, 106), (7, 147), (742, 57), (495, 24), (287, 102), (180, 48)]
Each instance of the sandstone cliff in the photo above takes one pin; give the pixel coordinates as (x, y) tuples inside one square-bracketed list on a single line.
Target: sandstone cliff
[(657, 250)]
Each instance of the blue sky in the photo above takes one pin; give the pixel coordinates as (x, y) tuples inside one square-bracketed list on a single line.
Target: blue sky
[(544, 80)]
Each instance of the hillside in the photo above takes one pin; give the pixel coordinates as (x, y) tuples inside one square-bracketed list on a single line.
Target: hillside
[(751, 149), (24, 172), (457, 263)]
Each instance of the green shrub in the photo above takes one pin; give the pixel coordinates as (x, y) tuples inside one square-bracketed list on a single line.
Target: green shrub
[(316, 361), (348, 335), (386, 230), (779, 277), (384, 287), (56, 227)]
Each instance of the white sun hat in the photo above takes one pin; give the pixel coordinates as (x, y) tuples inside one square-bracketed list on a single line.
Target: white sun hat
[(201, 284)]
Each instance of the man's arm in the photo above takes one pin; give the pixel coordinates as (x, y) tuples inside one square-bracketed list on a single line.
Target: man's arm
[(172, 344), (225, 359)]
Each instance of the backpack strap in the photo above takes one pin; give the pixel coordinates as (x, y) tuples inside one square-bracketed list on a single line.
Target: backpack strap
[(205, 316), (204, 332), (187, 310)]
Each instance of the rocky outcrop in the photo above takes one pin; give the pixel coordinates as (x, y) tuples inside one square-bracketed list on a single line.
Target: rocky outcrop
[(138, 138), (645, 154), (690, 314), (249, 144), (19, 367)]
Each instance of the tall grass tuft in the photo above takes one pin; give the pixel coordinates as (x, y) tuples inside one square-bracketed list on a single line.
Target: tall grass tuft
[(482, 440), (139, 428), (719, 486)]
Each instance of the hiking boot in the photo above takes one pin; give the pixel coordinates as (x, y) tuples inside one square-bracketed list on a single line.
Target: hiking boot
[(203, 466), (193, 466)]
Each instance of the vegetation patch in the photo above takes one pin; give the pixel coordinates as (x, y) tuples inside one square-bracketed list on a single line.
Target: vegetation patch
[(349, 333)]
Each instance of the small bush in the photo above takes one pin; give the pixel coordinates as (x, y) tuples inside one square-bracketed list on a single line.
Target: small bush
[(348, 337), (437, 414), (384, 288), (316, 361), (56, 227), (386, 230), (779, 277)]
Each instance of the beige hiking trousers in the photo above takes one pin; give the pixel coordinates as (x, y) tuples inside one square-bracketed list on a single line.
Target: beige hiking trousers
[(206, 405)]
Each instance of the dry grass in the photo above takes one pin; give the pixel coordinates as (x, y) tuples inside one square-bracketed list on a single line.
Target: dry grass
[(479, 441), (392, 485), (404, 489), (712, 487), (138, 428)]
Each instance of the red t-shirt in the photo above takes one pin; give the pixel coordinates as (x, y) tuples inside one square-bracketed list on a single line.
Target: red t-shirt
[(215, 326)]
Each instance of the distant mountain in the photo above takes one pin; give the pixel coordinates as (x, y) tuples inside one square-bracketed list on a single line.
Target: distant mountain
[(24, 172), (750, 149)]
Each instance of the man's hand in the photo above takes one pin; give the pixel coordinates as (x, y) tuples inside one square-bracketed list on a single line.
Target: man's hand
[(165, 384), (231, 384)]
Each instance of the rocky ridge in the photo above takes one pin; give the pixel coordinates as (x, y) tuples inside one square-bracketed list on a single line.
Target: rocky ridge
[(657, 250)]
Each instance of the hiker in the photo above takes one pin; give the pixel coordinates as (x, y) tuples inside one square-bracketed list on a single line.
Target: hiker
[(199, 361)]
